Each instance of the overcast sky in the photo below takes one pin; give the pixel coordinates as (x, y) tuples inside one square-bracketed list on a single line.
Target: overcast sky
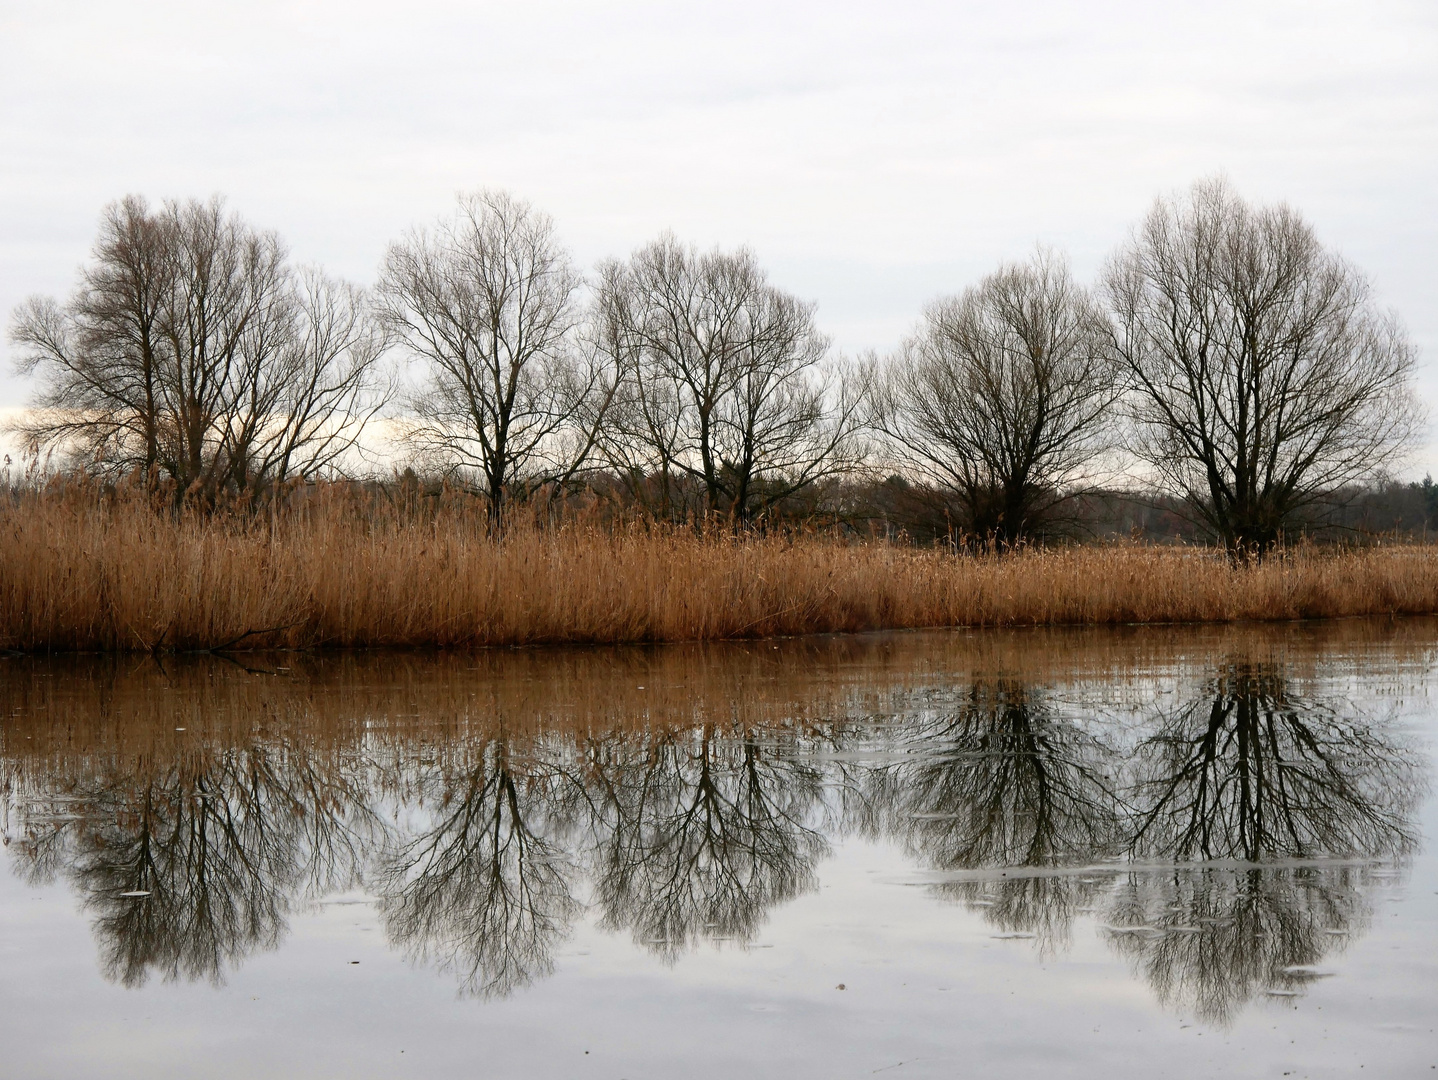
[(873, 155)]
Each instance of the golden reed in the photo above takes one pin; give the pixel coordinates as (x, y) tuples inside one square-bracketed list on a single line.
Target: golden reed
[(81, 571)]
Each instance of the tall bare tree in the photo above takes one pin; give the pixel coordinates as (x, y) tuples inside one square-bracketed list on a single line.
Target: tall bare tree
[(1264, 376), (193, 350), (304, 408), (1000, 397), (723, 384), (488, 302), (98, 357)]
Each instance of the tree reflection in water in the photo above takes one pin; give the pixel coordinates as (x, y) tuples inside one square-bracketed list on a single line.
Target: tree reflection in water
[(1226, 849), (1209, 940), (1002, 781), (1253, 771), (191, 868), (485, 890), (1249, 770), (702, 835)]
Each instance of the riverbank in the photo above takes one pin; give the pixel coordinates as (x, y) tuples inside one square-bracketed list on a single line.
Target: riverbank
[(84, 573)]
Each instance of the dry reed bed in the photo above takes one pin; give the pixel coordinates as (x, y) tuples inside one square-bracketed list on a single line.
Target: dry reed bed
[(79, 573)]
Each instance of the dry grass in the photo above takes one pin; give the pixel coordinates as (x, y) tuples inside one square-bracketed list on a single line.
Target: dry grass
[(82, 573)]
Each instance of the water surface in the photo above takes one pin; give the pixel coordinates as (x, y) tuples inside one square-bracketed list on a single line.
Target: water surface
[(1156, 852)]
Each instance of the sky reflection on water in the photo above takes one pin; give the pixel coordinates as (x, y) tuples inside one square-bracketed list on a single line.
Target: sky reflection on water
[(1226, 812)]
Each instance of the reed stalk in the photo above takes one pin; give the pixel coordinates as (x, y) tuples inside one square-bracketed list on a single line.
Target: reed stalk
[(81, 571)]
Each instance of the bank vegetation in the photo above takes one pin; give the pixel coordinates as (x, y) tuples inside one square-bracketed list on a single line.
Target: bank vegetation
[(86, 570), (488, 446)]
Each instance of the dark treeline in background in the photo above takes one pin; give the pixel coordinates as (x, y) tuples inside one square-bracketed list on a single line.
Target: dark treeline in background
[(1226, 379), (1385, 509)]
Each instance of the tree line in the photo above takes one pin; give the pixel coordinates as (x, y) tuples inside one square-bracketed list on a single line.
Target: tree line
[(1224, 359)]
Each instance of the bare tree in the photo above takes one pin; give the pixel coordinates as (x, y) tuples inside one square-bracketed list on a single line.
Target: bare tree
[(192, 349), (305, 408), (223, 324), (1000, 397), (722, 382), (488, 302), (98, 358), (1264, 376)]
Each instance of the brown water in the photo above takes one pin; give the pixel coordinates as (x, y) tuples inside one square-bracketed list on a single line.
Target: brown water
[(1159, 852)]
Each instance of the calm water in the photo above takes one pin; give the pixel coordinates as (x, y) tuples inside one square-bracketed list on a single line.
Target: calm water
[(1122, 854)]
